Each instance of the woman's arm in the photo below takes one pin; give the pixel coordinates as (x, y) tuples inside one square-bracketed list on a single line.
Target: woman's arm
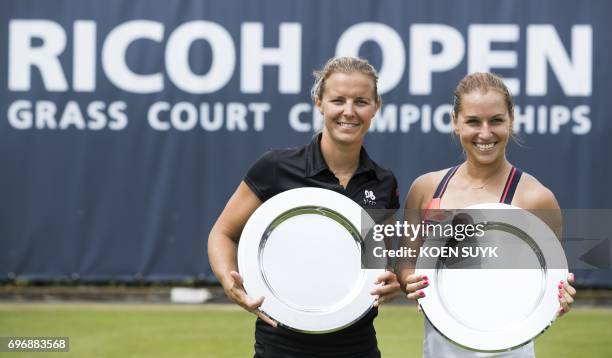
[(223, 248), (415, 201), (535, 197), (538, 199)]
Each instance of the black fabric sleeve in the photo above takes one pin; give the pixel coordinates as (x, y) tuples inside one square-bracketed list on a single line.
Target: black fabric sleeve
[(261, 177), (394, 202)]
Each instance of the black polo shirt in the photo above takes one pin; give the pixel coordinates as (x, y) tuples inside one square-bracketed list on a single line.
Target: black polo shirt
[(371, 186), (284, 169)]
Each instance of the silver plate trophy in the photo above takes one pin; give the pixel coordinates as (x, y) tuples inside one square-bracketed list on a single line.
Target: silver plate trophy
[(493, 304), (301, 250)]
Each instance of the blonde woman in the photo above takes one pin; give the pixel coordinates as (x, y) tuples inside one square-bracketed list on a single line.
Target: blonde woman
[(346, 94), (482, 118)]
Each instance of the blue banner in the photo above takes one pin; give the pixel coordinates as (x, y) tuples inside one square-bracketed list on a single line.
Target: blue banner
[(126, 125)]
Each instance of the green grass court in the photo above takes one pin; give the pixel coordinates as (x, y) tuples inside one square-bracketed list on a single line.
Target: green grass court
[(145, 330)]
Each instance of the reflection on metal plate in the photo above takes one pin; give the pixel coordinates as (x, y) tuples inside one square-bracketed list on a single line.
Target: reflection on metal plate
[(493, 305), (301, 250)]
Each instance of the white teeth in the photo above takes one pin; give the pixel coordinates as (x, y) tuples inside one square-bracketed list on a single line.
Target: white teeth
[(347, 125), (483, 147)]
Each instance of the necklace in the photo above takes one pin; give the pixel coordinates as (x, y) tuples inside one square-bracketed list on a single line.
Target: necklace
[(484, 184)]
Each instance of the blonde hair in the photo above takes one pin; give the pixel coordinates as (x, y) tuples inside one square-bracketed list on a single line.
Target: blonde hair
[(343, 65), (484, 81)]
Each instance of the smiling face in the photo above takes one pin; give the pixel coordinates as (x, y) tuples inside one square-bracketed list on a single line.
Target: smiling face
[(348, 105), (483, 126)]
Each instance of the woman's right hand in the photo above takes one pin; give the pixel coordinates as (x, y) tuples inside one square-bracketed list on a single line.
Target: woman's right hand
[(238, 294), (414, 286)]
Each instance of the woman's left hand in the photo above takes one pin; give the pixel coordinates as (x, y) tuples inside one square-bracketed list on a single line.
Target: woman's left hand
[(567, 293), (389, 289)]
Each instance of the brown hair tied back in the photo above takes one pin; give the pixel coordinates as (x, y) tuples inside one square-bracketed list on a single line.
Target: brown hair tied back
[(483, 82), (343, 65)]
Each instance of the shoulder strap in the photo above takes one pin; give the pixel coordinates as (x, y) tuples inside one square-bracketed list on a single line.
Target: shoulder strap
[(444, 182), (513, 179)]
